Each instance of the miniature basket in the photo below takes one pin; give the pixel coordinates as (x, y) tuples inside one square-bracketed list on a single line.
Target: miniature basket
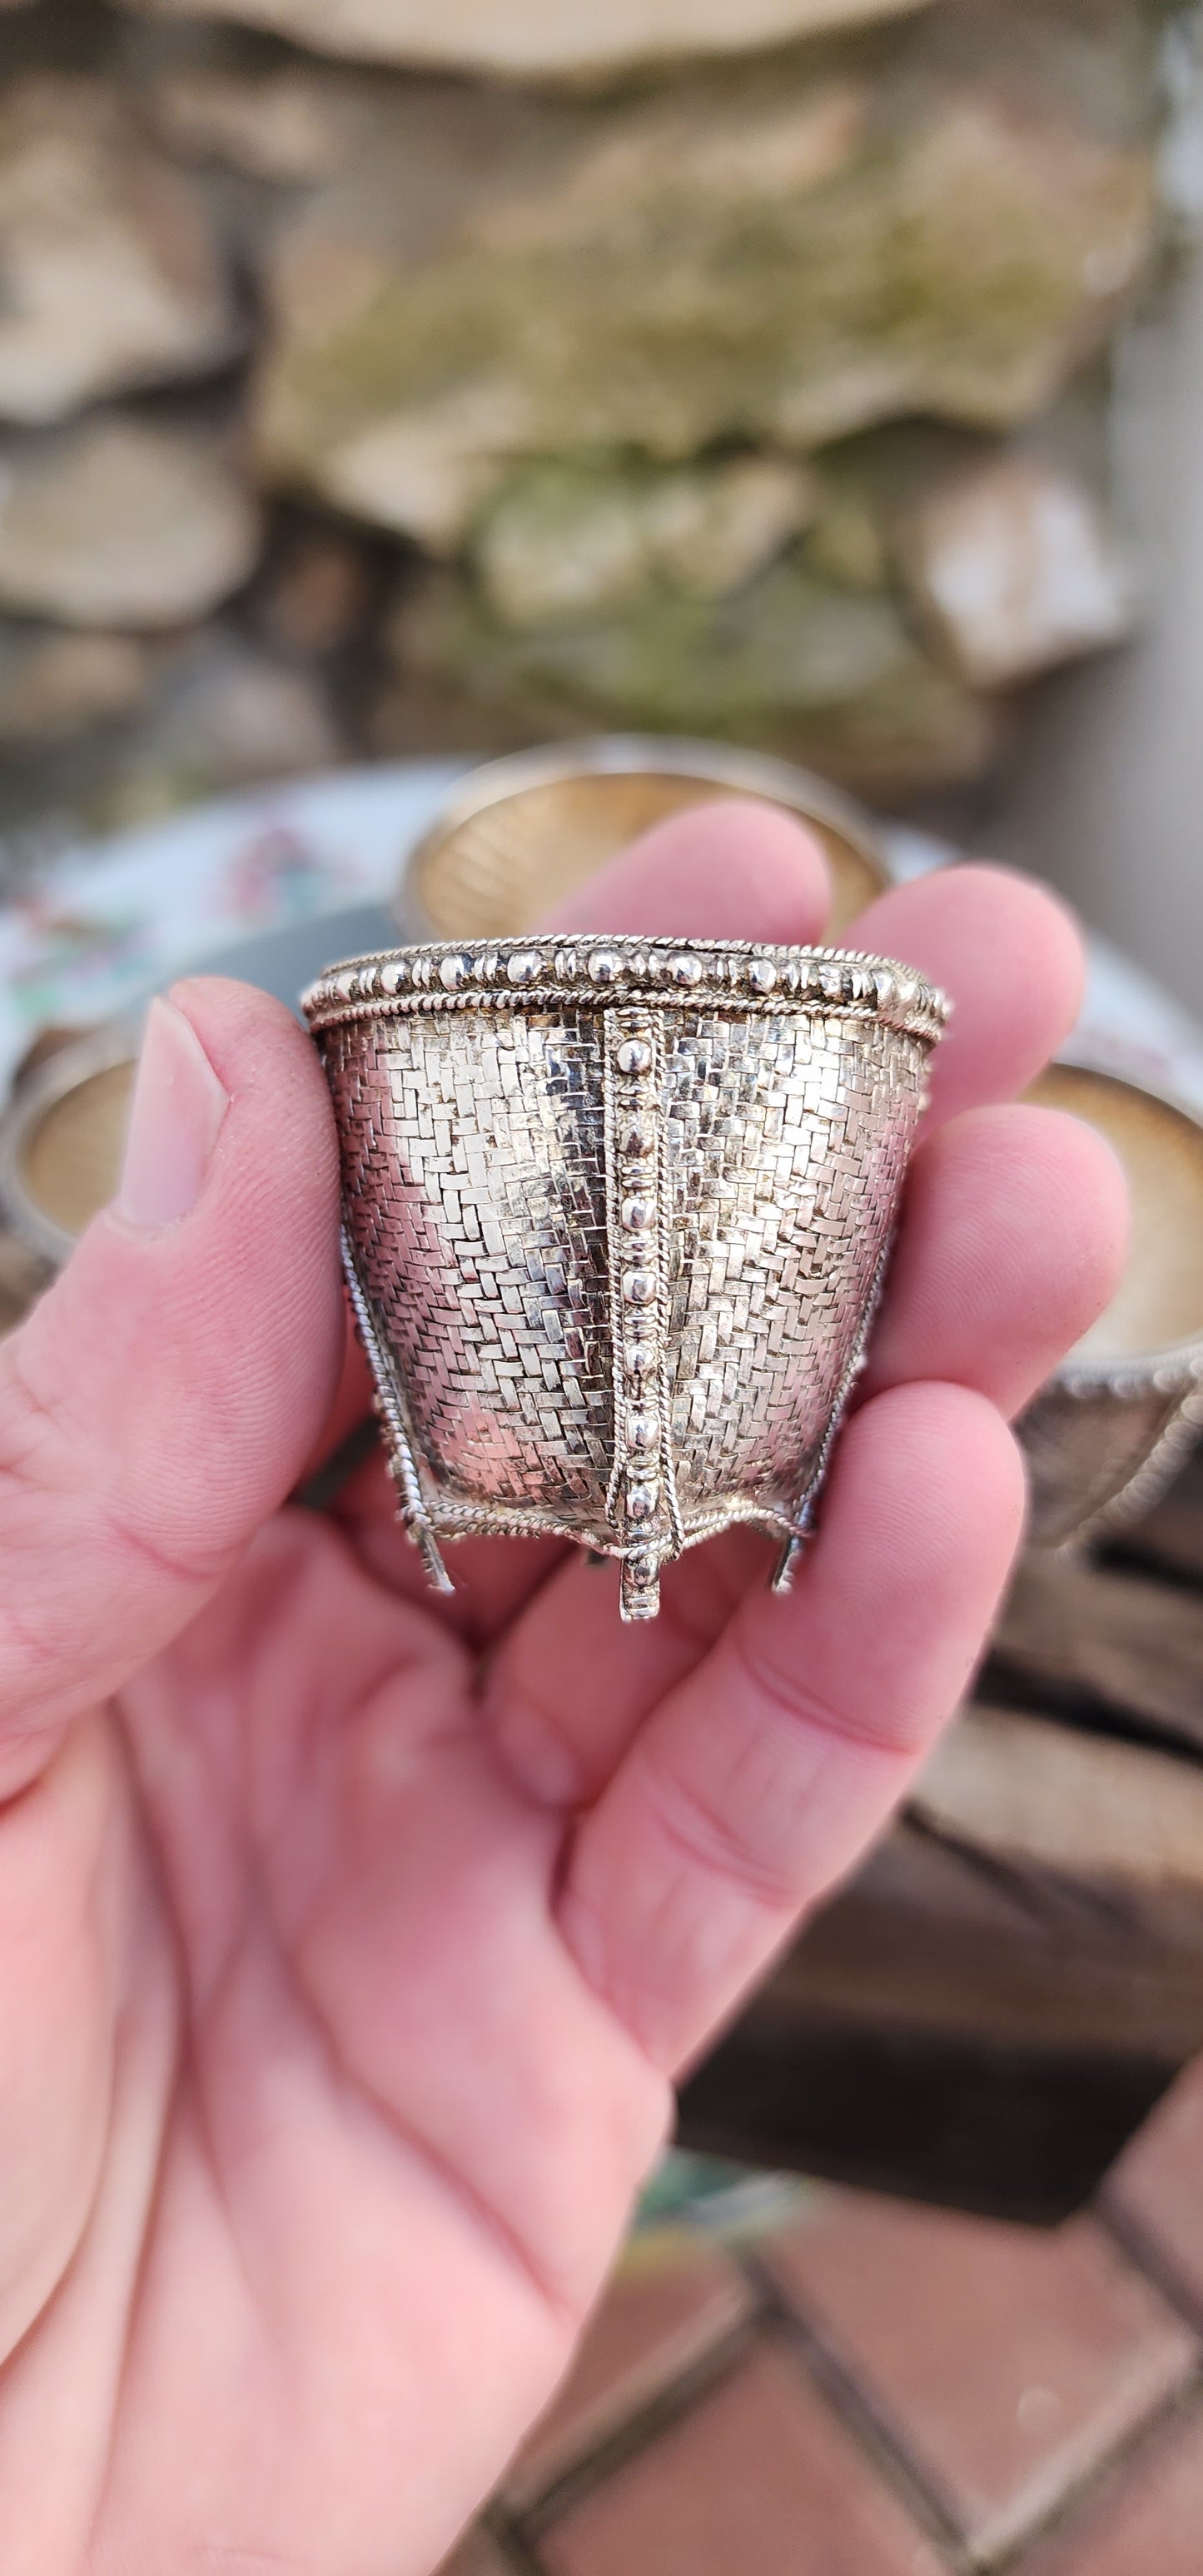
[(616, 1216), (1107, 1434)]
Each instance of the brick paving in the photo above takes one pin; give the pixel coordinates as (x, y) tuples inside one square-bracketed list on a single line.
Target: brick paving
[(1146, 2519), (1154, 2196), (866, 2388), (678, 2302), (1007, 2361), (759, 2472)]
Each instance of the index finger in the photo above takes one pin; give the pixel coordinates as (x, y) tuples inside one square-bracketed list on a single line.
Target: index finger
[(1010, 958)]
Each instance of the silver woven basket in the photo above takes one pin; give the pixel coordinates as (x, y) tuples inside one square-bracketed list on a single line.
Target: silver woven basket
[(1108, 1433), (616, 1215)]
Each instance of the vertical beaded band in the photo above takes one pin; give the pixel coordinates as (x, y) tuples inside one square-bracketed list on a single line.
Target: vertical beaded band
[(641, 1499)]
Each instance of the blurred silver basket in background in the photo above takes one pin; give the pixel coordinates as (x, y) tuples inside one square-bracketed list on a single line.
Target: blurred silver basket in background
[(516, 836), (1104, 1438), (61, 1140)]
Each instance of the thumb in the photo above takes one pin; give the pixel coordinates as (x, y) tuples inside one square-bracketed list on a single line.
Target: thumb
[(161, 1399)]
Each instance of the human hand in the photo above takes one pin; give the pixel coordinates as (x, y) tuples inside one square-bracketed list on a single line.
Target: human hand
[(350, 1940)]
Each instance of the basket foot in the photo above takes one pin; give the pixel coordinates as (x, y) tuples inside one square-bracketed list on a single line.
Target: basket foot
[(430, 1552), (782, 1576), (639, 1597)]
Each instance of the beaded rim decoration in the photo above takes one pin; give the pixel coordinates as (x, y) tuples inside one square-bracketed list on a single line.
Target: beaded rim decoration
[(631, 989), (539, 973)]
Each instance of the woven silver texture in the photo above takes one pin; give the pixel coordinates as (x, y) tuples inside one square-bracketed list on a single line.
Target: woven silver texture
[(615, 1218)]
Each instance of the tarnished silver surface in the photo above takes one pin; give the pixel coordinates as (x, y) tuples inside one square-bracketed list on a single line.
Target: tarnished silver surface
[(616, 1212), (1107, 1434)]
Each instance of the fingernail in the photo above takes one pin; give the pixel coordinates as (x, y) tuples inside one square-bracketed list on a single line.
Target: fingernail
[(175, 1121)]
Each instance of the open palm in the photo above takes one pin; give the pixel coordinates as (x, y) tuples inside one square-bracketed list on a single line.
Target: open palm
[(350, 1941)]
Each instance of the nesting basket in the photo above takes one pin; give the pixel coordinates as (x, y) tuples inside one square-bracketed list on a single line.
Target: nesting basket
[(616, 1216), (1108, 1432)]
